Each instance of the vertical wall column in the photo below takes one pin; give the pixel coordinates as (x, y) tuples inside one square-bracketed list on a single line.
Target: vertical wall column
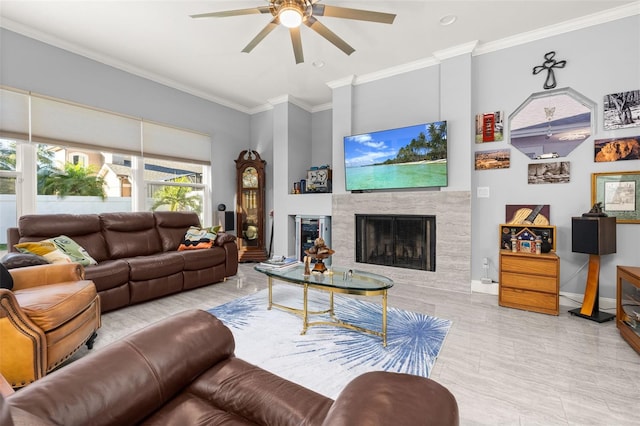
[(342, 119), (292, 157), (280, 176), (456, 108)]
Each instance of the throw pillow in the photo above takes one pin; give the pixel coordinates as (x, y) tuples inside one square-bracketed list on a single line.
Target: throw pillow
[(198, 238), (46, 249), (74, 250), (21, 260), (61, 249), (5, 278)]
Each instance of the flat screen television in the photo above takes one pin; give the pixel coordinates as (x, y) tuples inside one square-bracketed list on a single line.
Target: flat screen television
[(406, 157)]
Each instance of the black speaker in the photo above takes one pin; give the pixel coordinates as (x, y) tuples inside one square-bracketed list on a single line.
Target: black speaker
[(229, 220), (226, 219), (593, 235)]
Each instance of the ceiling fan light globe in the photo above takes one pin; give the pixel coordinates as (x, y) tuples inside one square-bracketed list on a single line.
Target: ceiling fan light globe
[(290, 17)]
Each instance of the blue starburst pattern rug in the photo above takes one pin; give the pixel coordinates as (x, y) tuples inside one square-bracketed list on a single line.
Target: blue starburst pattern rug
[(326, 358)]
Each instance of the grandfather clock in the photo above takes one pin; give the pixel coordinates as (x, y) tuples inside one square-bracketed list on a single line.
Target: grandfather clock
[(250, 218)]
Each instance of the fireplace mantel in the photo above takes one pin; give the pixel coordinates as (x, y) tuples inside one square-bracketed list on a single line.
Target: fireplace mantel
[(453, 242)]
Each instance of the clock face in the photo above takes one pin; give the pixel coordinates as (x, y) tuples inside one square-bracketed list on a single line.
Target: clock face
[(250, 178), (322, 176)]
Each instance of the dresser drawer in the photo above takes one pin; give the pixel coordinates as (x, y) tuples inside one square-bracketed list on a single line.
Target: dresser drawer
[(529, 282), (529, 300), (531, 264)]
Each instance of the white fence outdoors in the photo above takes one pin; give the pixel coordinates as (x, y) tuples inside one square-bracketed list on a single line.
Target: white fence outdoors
[(51, 204)]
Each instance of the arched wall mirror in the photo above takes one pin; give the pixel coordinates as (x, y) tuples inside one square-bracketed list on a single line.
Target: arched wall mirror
[(551, 124)]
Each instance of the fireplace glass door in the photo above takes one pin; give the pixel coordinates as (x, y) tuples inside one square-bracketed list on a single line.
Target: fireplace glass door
[(403, 241)]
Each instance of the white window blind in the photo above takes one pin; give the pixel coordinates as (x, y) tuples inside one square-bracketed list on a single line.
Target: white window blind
[(14, 114), (63, 123), (57, 122), (172, 143)]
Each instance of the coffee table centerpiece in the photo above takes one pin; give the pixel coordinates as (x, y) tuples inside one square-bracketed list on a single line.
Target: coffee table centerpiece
[(319, 252)]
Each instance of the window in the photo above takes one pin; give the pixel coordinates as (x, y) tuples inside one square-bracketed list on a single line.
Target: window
[(8, 179), (174, 185), (93, 184), (79, 159), (73, 158)]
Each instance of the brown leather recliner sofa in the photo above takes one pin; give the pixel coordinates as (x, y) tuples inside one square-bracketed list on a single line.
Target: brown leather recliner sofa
[(182, 371), (136, 252)]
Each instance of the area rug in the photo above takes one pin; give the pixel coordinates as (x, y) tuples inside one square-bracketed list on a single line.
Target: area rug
[(326, 358)]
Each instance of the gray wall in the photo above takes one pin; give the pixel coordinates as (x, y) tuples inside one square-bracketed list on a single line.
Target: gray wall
[(600, 60), (31, 65)]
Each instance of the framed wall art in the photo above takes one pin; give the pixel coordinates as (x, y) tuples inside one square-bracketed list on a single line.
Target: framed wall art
[(524, 236), (622, 110), (527, 214), (616, 149), (618, 193), (489, 127), (494, 159), (552, 172)]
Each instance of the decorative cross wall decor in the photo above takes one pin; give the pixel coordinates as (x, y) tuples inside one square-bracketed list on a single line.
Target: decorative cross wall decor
[(549, 64)]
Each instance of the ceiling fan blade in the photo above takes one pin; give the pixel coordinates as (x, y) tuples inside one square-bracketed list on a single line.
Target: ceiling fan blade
[(237, 12), (261, 35), (357, 14), (325, 32), (297, 44)]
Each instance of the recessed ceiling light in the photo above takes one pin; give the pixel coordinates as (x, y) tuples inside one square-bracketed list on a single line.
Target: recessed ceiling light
[(318, 64), (448, 20)]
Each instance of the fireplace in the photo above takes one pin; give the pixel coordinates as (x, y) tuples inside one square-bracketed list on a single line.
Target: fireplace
[(402, 241)]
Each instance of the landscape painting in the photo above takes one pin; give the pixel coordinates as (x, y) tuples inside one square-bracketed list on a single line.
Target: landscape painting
[(622, 110), (556, 172), (617, 149), (493, 159)]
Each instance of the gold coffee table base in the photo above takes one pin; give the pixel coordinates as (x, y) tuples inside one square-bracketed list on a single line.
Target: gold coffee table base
[(305, 312)]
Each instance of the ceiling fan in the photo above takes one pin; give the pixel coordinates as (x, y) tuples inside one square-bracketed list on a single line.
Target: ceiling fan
[(293, 13)]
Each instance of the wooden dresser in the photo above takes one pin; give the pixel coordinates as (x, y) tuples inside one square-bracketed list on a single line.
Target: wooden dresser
[(530, 281)]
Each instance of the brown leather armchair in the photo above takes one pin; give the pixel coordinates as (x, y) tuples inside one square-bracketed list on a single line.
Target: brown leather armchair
[(47, 316)]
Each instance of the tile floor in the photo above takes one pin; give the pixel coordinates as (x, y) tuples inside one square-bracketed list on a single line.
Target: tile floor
[(504, 366)]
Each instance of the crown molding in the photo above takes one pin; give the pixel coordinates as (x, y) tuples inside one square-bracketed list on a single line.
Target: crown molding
[(461, 49), (341, 82), (613, 14), (289, 99), (474, 48), (322, 107), (397, 70), (112, 62)]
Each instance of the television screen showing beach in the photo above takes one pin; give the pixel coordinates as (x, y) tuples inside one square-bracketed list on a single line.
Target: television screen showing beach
[(407, 157)]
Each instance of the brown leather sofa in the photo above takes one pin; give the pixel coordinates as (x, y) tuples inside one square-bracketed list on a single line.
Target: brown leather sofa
[(182, 371), (50, 312), (136, 252)]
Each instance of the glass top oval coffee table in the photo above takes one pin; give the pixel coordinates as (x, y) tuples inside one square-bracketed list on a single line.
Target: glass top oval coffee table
[(336, 280)]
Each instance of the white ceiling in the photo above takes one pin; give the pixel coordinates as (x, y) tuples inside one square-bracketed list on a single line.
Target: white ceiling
[(157, 39)]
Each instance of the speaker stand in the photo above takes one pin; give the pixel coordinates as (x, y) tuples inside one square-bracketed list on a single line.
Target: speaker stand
[(590, 304)]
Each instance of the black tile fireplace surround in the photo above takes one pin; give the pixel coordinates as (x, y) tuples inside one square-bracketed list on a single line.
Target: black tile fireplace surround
[(402, 241)]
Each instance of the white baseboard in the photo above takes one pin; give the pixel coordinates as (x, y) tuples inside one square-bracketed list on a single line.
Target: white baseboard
[(572, 300), (478, 286)]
